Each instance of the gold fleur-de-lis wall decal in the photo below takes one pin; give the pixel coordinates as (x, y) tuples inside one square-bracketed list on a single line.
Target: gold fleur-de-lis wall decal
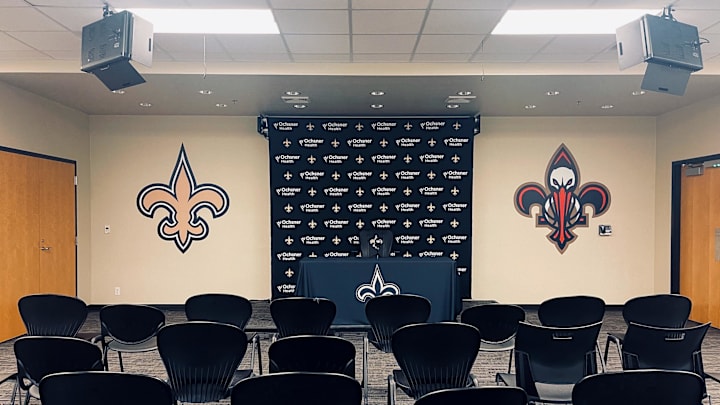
[(182, 198)]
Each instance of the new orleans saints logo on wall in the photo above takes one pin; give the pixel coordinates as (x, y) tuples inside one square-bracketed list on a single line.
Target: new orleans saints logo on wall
[(182, 198), (562, 202)]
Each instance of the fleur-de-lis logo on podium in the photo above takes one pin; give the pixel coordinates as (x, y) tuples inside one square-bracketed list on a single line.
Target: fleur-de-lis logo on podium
[(376, 288), (183, 198)]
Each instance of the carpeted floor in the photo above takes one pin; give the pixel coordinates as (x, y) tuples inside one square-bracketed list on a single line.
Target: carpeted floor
[(379, 364)]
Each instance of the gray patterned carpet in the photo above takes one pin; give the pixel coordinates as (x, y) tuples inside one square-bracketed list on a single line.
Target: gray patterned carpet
[(379, 364)]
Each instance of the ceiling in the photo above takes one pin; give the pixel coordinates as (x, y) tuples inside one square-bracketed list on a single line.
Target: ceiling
[(335, 52)]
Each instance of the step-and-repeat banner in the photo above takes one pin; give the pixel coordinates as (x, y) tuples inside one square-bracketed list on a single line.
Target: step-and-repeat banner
[(332, 177)]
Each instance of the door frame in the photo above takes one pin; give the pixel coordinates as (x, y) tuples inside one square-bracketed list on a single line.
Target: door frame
[(675, 198), (58, 159)]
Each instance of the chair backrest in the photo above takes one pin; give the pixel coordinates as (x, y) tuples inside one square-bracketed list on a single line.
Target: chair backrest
[(312, 353), (576, 310), (496, 322), (647, 347), (488, 395), (376, 243), (104, 387), (387, 313), (201, 358), (658, 387), (662, 310), (302, 315), (217, 307), (552, 355), (130, 323), (52, 314), (435, 356), (297, 388), (39, 356)]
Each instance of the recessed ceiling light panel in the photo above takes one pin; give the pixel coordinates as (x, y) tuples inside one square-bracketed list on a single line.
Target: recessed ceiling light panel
[(560, 22), (209, 21), (377, 93), (452, 106), (205, 92), (376, 106), (530, 106)]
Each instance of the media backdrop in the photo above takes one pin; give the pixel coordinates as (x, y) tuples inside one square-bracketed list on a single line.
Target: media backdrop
[(333, 177)]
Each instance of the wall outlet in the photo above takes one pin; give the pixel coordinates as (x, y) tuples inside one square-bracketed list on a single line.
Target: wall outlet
[(107, 228), (117, 290)]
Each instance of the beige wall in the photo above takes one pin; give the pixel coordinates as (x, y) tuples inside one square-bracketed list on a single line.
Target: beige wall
[(129, 153), (35, 124), (512, 259), (681, 134)]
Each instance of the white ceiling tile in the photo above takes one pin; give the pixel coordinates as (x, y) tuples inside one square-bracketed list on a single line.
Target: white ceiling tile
[(187, 43), (50, 41), (449, 43), (579, 43), (609, 56), (260, 57), (383, 43), (471, 4), (561, 57), (208, 58), (322, 58), (159, 55), (381, 57), (23, 55), (461, 21), (73, 18), (387, 21), (64, 55), (501, 57), (551, 4), (394, 4), (312, 21), (252, 43), (310, 4), (442, 57), (240, 4), (8, 43), (13, 3), (514, 43), (26, 19), (318, 43), (702, 19), (123, 4), (69, 3)]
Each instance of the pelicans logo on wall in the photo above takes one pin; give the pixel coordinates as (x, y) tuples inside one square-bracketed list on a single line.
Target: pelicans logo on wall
[(562, 202), (183, 198)]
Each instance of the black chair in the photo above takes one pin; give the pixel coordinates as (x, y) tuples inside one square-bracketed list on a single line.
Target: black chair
[(387, 313), (202, 359), (549, 361), (432, 357), (475, 396), (574, 310), (129, 328), (52, 314), (497, 324), (375, 243), (40, 356), (226, 308), (661, 310), (312, 353), (657, 387), (298, 388), (104, 387), (302, 316), (649, 347)]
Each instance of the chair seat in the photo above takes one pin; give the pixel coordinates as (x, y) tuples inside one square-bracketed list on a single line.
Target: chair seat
[(402, 382), (497, 346), (146, 346), (558, 393)]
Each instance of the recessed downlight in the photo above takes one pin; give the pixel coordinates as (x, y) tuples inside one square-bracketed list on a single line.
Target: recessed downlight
[(552, 93), (145, 105), (530, 106), (221, 105), (452, 106), (205, 92), (118, 91), (607, 106), (376, 106), (292, 93), (638, 93), (377, 93), (300, 106), (464, 93)]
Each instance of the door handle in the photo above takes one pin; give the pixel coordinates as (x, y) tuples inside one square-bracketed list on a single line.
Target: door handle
[(45, 248)]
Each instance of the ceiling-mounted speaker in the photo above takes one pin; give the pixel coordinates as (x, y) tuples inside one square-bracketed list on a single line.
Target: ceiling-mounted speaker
[(110, 47), (671, 49)]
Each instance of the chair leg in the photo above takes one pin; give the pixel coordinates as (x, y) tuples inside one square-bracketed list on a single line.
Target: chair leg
[(510, 361), (259, 352), (120, 360), (365, 368), (16, 390), (391, 390), (607, 348), (602, 360)]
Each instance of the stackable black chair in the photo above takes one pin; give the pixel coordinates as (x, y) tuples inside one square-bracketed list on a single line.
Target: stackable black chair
[(475, 396), (661, 310), (202, 359), (302, 316), (574, 310), (297, 388), (376, 243), (226, 308), (497, 324), (105, 388), (129, 328), (312, 353), (40, 356), (657, 387), (432, 357), (387, 313), (52, 314), (549, 361)]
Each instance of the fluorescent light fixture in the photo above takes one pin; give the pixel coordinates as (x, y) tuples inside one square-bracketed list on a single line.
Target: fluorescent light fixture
[(558, 22), (208, 21)]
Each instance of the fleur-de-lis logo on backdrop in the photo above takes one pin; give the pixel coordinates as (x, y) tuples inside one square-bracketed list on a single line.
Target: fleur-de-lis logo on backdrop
[(562, 201), (376, 288), (182, 198), (376, 242)]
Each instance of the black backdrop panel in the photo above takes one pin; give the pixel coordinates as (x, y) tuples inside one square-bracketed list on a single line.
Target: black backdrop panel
[(332, 177)]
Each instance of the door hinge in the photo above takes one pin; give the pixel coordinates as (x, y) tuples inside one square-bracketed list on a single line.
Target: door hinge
[(75, 181)]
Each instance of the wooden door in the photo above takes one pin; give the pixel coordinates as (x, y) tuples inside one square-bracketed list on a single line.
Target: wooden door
[(37, 202), (700, 243)]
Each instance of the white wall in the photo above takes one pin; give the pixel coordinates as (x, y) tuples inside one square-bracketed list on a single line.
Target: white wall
[(35, 124)]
